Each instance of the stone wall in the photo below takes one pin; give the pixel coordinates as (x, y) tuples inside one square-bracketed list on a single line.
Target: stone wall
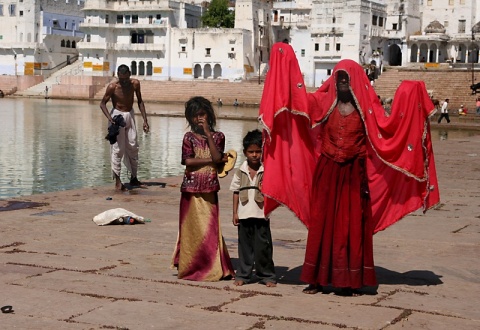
[(78, 87)]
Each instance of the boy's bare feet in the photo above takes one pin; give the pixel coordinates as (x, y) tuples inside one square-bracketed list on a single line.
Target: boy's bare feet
[(270, 284), (238, 283)]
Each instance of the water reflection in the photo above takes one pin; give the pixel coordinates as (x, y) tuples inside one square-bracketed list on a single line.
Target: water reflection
[(51, 145)]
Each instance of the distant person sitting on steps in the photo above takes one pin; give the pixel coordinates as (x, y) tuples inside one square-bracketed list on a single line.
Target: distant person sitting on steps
[(462, 111), (444, 112)]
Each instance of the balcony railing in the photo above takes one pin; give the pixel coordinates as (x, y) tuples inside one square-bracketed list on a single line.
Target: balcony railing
[(156, 24), (122, 46), (49, 30)]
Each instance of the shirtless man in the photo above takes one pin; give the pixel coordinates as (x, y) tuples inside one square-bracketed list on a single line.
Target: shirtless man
[(122, 93)]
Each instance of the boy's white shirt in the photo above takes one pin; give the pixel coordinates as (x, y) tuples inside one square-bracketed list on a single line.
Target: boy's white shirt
[(251, 209)]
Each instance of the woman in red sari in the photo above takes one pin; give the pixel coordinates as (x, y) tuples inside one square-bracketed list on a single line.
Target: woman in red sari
[(357, 168)]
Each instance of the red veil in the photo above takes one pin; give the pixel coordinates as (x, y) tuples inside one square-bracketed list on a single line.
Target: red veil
[(400, 163)]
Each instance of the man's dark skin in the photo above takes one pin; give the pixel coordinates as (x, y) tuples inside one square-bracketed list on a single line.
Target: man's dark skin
[(122, 94)]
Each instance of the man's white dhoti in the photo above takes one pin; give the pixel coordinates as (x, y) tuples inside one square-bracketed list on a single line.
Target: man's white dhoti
[(126, 146)]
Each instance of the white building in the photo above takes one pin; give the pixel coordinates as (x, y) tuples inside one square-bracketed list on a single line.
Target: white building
[(324, 32), (161, 40), (164, 40), (449, 33), (38, 37)]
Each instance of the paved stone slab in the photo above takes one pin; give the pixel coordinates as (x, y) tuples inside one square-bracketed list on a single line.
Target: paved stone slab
[(120, 276), (433, 322), (148, 315), (322, 309)]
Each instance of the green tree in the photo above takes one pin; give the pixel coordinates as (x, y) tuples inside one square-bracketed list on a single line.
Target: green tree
[(218, 15)]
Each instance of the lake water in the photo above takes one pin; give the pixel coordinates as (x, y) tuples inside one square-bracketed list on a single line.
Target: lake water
[(51, 145)]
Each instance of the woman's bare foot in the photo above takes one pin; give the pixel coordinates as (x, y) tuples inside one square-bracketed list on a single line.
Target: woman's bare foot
[(270, 284), (349, 292), (312, 289), (238, 283)]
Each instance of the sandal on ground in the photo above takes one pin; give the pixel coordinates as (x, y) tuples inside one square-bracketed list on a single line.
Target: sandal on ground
[(7, 309), (136, 183)]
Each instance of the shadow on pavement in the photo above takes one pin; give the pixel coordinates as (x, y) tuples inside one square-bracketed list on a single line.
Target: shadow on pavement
[(412, 277)]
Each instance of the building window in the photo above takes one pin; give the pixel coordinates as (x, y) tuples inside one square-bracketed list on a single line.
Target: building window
[(1, 9), (380, 21), (127, 19), (20, 13), (338, 47), (149, 68), (184, 48), (150, 19), (374, 19), (106, 19), (138, 38), (327, 47), (134, 19), (149, 37), (159, 16), (394, 26), (461, 26), (120, 19), (207, 51), (317, 47), (303, 52), (89, 37), (62, 43), (329, 72), (11, 9)]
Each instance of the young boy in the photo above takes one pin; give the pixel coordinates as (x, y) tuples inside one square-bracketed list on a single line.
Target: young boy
[(254, 237)]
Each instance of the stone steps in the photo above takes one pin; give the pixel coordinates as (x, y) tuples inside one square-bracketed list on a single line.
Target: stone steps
[(180, 91), (452, 84)]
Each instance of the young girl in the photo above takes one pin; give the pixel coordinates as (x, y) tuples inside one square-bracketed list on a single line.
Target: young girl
[(201, 253)]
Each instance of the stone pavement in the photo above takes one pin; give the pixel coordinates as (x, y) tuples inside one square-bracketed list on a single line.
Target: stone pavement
[(60, 271)]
